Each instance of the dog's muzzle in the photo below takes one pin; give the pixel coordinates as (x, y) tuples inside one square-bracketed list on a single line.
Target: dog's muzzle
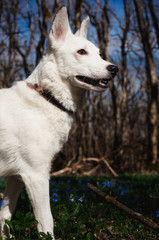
[(103, 83), (113, 69)]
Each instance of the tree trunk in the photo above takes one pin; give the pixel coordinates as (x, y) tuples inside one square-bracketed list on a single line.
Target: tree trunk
[(42, 7), (152, 86), (154, 19), (124, 113)]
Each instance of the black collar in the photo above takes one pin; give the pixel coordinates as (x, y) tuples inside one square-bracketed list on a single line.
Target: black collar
[(47, 95)]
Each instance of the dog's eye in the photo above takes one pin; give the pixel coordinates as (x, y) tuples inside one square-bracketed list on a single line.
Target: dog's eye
[(82, 52)]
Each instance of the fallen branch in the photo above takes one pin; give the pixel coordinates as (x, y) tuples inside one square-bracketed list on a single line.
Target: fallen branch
[(109, 167), (121, 206), (88, 173), (84, 166), (102, 159), (62, 171), (91, 159)]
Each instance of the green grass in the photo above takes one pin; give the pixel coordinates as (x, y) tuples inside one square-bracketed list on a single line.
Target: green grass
[(82, 215)]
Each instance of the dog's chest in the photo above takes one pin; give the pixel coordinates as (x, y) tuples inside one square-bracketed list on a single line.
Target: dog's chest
[(32, 128), (51, 129), (61, 125), (46, 121)]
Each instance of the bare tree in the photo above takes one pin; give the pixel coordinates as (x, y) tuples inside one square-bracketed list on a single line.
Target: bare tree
[(44, 14), (152, 85), (154, 19)]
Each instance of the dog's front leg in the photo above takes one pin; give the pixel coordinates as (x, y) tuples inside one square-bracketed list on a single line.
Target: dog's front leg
[(12, 191), (38, 190)]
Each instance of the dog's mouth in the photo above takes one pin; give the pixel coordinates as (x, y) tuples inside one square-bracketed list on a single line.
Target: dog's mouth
[(101, 82)]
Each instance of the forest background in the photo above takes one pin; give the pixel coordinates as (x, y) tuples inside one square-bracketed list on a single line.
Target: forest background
[(116, 131)]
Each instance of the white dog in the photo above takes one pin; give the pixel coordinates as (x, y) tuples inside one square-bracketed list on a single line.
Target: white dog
[(36, 115)]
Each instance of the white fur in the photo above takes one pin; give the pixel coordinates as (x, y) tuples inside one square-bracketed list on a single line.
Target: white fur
[(32, 130)]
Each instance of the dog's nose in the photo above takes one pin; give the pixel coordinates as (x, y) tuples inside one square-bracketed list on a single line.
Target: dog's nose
[(113, 69)]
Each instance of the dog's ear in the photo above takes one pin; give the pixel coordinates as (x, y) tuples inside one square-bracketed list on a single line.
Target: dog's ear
[(59, 29), (82, 31)]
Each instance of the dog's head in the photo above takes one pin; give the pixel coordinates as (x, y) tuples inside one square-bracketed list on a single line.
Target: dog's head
[(77, 59)]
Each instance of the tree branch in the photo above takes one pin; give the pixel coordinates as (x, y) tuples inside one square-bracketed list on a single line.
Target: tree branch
[(124, 208)]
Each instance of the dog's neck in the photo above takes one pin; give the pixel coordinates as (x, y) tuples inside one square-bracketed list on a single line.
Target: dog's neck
[(46, 75), (49, 97)]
